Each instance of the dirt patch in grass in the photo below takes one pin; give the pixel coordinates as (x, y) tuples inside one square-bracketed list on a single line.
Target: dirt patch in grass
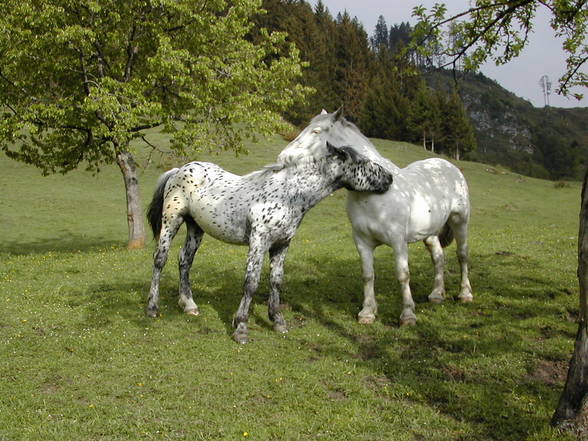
[(377, 382), (550, 372), (454, 373)]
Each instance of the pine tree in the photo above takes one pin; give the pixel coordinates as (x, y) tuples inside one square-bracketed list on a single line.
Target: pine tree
[(458, 136), (380, 41), (423, 116), (352, 55)]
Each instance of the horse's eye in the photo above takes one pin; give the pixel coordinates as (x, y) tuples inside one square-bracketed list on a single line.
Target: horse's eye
[(317, 130)]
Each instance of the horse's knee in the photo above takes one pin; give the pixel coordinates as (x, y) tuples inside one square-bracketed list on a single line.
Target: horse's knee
[(368, 278), (403, 276), (462, 253)]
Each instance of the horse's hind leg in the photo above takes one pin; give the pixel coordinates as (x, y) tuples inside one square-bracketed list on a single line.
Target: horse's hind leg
[(193, 239), (408, 316), (459, 225), (171, 224), (436, 250), (367, 315), (277, 257)]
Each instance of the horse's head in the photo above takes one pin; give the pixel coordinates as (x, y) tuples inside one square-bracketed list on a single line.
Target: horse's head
[(356, 172), (311, 143), (359, 163)]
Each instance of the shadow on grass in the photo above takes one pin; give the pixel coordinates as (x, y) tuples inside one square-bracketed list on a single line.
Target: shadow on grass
[(65, 243), (437, 360)]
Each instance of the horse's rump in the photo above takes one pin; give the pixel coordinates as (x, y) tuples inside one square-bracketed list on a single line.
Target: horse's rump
[(155, 210)]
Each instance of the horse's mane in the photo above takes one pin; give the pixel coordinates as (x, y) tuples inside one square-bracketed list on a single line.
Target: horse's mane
[(353, 136), (343, 132)]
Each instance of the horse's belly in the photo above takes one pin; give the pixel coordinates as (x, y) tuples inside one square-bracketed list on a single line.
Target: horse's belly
[(426, 219), (221, 224)]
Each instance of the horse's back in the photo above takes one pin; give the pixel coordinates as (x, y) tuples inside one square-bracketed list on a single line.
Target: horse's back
[(439, 180), (439, 191)]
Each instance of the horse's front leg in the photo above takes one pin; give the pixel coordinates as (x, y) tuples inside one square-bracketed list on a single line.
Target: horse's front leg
[(277, 257), (367, 315), (257, 249), (408, 316)]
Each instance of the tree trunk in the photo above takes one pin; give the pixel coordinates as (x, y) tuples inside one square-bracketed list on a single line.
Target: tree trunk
[(424, 140), (571, 412), (128, 167)]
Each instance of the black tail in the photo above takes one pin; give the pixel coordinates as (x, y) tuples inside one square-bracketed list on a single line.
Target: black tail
[(446, 236), (155, 210)]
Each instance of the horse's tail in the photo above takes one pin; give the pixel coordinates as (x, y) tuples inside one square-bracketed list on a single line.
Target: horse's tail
[(155, 210), (446, 235)]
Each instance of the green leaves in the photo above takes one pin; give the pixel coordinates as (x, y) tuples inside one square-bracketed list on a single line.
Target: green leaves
[(79, 78), (499, 30)]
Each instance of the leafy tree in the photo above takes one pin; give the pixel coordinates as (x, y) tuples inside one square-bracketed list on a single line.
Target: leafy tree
[(81, 79), (500, 30)]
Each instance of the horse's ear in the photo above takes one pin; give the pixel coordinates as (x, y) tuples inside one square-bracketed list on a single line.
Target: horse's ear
[(323, 112), (341, 152), (338, 114), (331, 149)]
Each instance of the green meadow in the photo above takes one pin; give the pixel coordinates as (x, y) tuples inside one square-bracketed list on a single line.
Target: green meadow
[(80, 361)]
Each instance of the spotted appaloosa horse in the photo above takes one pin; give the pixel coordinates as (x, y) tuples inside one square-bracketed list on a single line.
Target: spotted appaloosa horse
[(427, 201), (262, 209)]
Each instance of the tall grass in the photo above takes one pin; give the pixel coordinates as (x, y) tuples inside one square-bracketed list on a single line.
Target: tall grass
[(80, 361)]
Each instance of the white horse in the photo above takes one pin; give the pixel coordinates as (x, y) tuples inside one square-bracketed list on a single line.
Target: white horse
[(427, 201), (262, 209)]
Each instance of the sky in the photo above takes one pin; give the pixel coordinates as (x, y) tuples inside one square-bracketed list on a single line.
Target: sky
[(543, 55)]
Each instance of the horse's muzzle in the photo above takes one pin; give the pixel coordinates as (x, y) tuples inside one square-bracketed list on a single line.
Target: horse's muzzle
[(386, 182)]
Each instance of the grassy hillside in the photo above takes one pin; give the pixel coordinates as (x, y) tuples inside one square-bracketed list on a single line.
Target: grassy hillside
[(79, 360)]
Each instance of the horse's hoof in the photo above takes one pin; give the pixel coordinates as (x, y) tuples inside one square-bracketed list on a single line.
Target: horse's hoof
[(193, 312), (281, 327), (407, 322), (241, 337), (468, 298), (366, 319), (153, 313), (436, 299)]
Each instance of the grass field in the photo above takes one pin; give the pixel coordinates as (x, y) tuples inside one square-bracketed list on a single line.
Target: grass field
[(80, 361)]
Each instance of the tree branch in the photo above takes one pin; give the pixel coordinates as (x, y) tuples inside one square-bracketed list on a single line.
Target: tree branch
[(568, 77), (131, 52), (501, 16), (145, 127)]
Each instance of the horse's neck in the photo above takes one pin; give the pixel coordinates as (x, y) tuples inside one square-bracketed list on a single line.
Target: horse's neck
[(372, 154), (366, 148), (309, 183)]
